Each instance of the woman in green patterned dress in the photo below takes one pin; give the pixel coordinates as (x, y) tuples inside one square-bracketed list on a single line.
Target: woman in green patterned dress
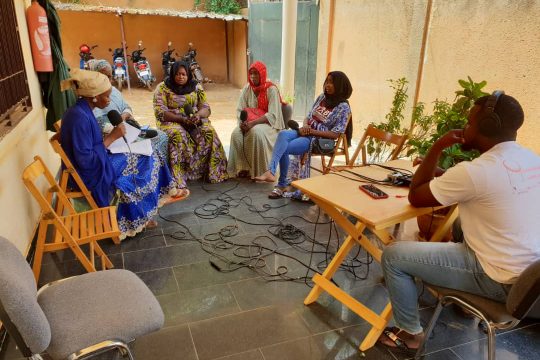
[(181, 110)]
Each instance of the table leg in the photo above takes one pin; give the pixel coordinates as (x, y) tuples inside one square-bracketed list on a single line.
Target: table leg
[(445, 226)]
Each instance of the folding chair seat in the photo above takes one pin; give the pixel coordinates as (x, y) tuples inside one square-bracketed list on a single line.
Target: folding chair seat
[(522, 300), (77, 317), (71, 230)]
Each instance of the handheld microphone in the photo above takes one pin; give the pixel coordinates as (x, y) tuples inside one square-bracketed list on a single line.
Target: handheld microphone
[(116, 119), (150, 133), (293, 125), (243, 116), (188, 110)]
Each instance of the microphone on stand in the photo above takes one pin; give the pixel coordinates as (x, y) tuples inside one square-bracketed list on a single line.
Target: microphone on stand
[(116, 119)]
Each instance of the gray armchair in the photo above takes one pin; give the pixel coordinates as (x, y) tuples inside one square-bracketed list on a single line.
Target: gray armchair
[(76, 317)]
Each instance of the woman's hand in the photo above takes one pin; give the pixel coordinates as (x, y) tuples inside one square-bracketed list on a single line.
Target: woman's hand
[(245, 126), (305, 131), (116, 133), (196, 119)]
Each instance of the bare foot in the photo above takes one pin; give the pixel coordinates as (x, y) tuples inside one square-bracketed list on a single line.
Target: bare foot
[(266, 177)]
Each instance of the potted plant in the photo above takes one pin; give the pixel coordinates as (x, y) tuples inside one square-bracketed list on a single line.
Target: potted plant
[(427, 128)]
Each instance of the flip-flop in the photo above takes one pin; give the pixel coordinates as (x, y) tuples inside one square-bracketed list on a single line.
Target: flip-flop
[(390, 336), (277, 193), (182, 195)]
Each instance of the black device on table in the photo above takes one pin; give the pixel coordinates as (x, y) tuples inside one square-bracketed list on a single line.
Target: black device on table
[(373, 191)]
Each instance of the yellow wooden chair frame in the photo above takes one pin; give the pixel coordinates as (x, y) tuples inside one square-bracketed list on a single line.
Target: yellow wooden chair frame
[(373, 132), (341, 149), (73, 229)]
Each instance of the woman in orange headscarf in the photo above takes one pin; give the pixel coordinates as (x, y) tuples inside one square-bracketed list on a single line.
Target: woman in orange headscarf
[(252, 141)]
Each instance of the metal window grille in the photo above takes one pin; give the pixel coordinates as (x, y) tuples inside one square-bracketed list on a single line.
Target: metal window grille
[(14, 93)]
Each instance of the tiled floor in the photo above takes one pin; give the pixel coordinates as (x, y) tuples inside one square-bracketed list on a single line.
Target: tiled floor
[(243, 315)]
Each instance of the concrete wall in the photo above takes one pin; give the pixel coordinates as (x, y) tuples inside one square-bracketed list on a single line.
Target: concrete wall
[(376, 40), (19, 212), (103, 29)]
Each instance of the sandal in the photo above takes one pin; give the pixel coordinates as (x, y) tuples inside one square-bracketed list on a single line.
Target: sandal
[(181, 195), (390, 338), (277, 193)]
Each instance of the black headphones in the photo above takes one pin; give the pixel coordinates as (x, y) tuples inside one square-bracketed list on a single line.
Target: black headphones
[(490, 124)]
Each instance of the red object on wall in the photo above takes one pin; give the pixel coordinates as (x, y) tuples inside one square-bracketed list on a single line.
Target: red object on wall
[(38, 31)]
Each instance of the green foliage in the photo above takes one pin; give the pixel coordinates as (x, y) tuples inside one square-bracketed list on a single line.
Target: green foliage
[(379, 150), (219, 6), (428, 128)]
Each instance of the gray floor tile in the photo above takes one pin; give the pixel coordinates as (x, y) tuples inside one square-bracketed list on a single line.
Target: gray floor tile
[(245, 331), (148, 239), (59, 270), (248, 355), (170, 343), (520, 344), (160, 281), (340, 344), (202, 274), (197, 304), (159, 258)]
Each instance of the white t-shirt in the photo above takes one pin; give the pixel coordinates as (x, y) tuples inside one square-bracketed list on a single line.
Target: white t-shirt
[(498, 195)]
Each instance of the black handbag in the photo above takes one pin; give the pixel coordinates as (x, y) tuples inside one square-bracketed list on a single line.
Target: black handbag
[(322, 146)]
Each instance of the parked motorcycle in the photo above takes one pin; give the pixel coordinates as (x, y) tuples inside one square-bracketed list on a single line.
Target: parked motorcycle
[(142, 68), (119, 72), (194, 66), (167, 60), (85, 54)]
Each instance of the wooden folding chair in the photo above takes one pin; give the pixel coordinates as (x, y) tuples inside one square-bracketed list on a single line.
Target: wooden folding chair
[(68, 171), (341, 149), (372, 132), (73, 229)]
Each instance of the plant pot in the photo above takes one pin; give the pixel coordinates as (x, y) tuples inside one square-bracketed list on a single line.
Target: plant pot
[(429, 223)]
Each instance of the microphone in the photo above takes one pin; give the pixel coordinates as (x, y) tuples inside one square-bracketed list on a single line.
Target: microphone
[(150, 133), (188, 110), (293, 125), (116, 119), (243, 116)]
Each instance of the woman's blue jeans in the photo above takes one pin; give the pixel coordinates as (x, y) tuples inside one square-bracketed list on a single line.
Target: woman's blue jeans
[(451, 265), (288, 143)]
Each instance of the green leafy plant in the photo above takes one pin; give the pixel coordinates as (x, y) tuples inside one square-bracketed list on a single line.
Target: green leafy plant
[(377, 150), (219, 6), (428, 128), (444, 117)]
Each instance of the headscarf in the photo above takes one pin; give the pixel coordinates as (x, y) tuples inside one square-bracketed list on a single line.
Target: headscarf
[(87, 83), (342, 92), (178, 89), (260, 90), (99, 65), (342, 89)]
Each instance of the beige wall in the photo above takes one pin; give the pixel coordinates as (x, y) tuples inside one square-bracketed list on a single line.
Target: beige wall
[(103, 29), (19, 212), (492, 40)]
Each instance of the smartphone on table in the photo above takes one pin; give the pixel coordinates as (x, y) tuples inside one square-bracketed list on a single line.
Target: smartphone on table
[(373, 191)]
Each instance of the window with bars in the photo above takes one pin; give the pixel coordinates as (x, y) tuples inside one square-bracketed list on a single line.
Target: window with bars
[(14, 93)]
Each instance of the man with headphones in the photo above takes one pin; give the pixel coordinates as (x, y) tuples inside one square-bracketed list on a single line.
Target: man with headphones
[(498, 196)]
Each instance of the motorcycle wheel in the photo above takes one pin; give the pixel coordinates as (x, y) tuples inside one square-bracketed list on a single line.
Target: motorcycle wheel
[(197, 73), (119, 83), (148, 85)]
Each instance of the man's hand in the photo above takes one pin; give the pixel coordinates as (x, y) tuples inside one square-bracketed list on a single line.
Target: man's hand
[(450, 138)]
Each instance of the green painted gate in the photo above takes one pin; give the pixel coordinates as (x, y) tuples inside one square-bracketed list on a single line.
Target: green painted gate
[(264, 38)]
